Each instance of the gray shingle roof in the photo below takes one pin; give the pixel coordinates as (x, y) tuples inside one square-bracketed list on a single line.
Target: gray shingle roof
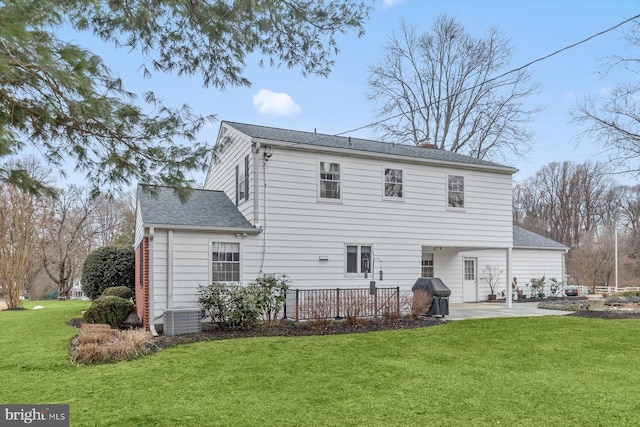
[(356, 144), (204, 208), (526, 238)]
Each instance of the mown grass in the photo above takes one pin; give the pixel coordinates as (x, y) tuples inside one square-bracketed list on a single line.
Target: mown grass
[(521, 371)]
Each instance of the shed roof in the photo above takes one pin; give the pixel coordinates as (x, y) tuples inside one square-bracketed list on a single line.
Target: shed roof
[(360, 145), (527, 239), (203, 209)]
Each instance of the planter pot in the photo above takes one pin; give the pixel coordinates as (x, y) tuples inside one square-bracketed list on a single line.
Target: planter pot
[(492, 297), (596, 305), (520, 294)]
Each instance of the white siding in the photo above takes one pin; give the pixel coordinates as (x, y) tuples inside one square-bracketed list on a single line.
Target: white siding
[(191, 266), (139, 229), (300, 228), (222, 174), (535, 263)]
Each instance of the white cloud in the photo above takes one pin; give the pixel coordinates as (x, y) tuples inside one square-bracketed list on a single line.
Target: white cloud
[(386, 4), (570, 94), (275, 103)]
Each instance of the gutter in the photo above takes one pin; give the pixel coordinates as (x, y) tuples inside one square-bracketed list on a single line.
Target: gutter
[(152, 320), (383, 156), (247, 230)]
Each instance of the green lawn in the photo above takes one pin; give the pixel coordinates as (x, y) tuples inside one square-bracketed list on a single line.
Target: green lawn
[(547, 371)]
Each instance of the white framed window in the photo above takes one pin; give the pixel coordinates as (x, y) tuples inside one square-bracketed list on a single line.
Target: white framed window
[(427, 264), (359, 259), (393, 183), (225, 262), (330, 179), (455, 191), (242, 181)]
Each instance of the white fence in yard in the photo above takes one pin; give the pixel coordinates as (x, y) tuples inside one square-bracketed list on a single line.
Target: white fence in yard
[(612, 290)]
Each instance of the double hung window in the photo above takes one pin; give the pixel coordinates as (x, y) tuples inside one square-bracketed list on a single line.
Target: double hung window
[(329, 180), (225, 262), (359, 259)]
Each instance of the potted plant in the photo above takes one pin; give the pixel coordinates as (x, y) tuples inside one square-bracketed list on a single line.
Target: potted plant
[(491, 275), (537, 287), (516, 290)]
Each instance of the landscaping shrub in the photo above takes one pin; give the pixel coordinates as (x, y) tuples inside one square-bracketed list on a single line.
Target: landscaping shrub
[(109, 310), (622, 299), (101, 343), (236, 306), (271, 294), (108, 267), (629, 294), (230, 305), (118, 291), (51, 295), (421, 303)]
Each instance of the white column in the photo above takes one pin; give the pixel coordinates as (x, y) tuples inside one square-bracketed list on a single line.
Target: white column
[(509, 278)]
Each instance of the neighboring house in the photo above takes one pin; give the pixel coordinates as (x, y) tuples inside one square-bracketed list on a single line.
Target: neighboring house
[(332, 212)]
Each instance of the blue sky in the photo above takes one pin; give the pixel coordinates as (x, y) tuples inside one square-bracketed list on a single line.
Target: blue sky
[(284, 98)]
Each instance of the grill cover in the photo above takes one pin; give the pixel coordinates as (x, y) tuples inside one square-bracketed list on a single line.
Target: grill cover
[(440, 293), (433, 286)]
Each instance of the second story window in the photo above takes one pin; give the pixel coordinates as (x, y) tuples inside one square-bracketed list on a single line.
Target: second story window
[(329, 180), (242, 181), (393, 183), (455, 191)]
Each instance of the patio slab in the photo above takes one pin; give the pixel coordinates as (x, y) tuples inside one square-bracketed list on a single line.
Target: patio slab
[(485, 310)]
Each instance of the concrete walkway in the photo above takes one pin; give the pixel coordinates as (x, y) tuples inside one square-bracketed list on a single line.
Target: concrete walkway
[(485, 310)]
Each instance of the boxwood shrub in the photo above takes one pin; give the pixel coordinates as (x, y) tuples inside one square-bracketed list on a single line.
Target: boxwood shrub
[(107, 267), (118, 291), (110, 310)]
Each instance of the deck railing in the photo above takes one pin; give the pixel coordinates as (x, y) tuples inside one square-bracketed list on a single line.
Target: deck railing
[(317, 304)]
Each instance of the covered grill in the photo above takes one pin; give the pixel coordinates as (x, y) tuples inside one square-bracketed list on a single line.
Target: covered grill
[(438, 291)]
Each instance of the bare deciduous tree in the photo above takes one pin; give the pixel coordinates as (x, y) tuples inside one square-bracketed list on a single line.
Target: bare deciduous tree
[(450, 88), (19, 219), (563, 201), (592, 262), (613, 119), (67, 233)]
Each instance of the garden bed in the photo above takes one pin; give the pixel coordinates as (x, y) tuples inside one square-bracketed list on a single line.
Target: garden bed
[(293, 329)]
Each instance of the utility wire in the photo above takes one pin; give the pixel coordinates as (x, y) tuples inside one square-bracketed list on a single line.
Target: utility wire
[(543, 58)]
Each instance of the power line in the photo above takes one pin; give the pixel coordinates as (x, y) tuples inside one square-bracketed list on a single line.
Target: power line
[(515, 70)]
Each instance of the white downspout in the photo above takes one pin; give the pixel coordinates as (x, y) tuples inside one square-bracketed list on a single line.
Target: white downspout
[(152, 320), (170, 269), (509, 278), (256, 185)]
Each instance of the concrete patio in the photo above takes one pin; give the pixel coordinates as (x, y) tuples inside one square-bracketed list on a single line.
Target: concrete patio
[(485, 310)]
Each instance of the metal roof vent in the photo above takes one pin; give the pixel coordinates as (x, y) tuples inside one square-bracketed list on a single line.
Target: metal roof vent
[(182, 320)]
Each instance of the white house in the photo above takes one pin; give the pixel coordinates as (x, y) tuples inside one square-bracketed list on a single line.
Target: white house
[(332, 212)]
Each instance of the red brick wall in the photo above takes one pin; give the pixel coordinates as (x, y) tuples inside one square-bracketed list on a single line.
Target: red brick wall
[(142, 282)]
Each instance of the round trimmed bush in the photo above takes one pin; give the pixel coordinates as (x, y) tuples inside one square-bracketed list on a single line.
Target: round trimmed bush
[(110, 310), (108, 267), (118, 291)]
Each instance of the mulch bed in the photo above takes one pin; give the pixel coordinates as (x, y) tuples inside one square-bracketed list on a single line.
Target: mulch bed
[(295, 329), (299, 329), (292, 329), (607, 314)]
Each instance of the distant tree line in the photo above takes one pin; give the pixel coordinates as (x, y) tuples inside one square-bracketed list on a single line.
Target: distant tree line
[(51, 233), (581, 206)]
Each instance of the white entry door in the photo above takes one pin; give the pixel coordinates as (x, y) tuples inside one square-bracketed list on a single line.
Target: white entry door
[(470, 281)]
